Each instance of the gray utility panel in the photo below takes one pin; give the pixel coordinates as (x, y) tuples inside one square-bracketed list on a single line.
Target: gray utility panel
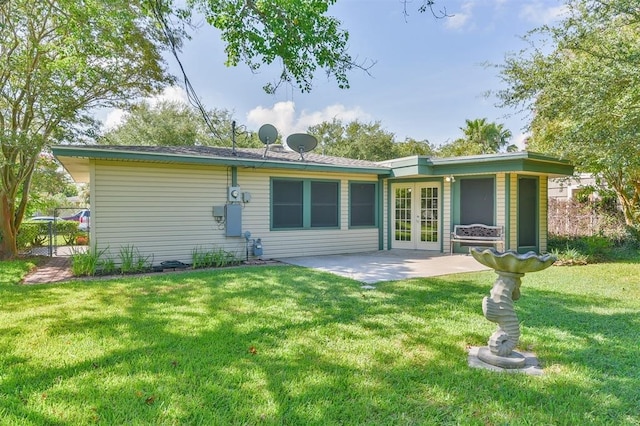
[(234, 220)]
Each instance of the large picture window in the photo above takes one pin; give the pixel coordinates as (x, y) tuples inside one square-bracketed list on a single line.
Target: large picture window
[(362, 204), (303, 203)]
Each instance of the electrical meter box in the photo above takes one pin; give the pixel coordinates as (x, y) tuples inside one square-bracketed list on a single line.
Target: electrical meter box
[(233, 213), (234, 193)]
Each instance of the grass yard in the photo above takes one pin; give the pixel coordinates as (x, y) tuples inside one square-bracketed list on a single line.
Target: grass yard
[(286, 345)]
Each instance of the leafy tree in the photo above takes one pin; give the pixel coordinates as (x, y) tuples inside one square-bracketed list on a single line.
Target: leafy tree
[(57, 60), (297, 33), (410, 147), (584, 93), (50, 179), (458, 148), (61, 58), (480, 137), (363, 141), (50, 187), (176, 124)]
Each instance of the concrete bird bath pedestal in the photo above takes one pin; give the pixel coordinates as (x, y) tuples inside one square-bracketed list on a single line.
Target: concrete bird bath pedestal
[(498, 307)]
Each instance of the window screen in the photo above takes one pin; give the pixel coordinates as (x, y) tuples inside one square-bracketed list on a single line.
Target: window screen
[(287, 205), (362, 202), (477, 201), (527, 212), (324, 204)]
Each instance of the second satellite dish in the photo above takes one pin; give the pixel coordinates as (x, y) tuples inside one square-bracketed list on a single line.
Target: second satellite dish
[(301, 142)]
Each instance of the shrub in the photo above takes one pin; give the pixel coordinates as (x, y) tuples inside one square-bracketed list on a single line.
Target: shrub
[(32, 234), (131, 261), (68, 230), (202, 258), (82, 239), (36, 234), (569, 257), (87, 263)]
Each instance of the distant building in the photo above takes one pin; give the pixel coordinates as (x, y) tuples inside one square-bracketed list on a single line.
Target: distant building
[(567, 188)]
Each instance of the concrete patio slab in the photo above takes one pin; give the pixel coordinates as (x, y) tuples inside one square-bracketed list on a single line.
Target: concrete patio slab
[(389, 265)]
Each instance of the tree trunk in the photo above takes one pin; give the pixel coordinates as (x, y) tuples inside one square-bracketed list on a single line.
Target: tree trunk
[(8, 246)]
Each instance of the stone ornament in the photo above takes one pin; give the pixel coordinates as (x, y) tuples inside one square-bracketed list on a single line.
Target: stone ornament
[(498, 307)]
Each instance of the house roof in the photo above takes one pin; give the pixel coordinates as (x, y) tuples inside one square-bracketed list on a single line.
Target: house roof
[(509, 162), (75, 158)]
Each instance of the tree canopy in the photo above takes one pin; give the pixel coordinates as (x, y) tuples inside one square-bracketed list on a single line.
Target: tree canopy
[(364, 141), (584, 93), (480, 137), (177, 124), (61, 58), (58, 59)]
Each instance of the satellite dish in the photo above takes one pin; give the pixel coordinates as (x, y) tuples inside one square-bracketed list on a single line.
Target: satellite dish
[(301, 142), (267, 134)]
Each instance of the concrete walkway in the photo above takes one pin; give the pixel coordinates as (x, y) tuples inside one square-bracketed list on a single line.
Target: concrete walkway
[(389, 265)]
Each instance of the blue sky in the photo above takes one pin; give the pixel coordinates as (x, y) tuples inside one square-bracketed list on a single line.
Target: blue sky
[(428, 76)]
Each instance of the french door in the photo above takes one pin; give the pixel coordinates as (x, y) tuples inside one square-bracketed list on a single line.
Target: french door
[(415, 218)]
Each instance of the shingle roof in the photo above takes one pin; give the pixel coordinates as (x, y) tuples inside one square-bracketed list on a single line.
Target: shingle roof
[(257, 154)]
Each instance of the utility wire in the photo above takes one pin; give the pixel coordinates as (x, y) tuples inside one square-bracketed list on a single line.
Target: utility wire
[(192, 96)]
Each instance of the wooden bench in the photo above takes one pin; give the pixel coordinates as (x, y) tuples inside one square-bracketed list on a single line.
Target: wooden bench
[(478, 233)]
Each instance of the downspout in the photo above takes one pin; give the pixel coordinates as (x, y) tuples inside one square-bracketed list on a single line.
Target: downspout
[(380, 213)]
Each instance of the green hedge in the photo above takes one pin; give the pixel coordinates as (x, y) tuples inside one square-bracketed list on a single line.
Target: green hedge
[(35, 234)]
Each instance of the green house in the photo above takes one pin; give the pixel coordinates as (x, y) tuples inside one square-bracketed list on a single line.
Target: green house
[(167, 201)]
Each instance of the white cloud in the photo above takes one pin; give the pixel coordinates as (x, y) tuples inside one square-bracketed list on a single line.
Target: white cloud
[(460, 19), (284, 117), (541, 14), (169, 94), (115, 117), (520, 140)]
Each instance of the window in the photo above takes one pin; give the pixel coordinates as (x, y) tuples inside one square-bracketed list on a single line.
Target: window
[(477, 201), (287, 204), (362, 204), (324, 204), (298, 203)]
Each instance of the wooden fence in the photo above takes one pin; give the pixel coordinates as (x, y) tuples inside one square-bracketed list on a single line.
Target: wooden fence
[(575, 219)]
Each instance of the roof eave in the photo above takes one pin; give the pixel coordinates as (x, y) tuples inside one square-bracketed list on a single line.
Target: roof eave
[(77, 168)]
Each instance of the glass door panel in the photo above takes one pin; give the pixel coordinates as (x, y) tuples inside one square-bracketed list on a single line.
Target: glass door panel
[(416, 214)]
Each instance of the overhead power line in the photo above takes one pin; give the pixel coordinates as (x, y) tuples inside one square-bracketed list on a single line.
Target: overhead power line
[(192, 96)]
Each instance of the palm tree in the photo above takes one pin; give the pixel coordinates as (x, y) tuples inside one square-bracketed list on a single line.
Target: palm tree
[(488, 137)]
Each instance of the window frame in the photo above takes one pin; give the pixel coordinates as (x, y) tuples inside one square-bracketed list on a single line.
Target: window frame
[(375, 205), (306, 203)]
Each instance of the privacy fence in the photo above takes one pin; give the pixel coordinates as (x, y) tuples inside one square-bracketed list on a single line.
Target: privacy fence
[(574, 218)]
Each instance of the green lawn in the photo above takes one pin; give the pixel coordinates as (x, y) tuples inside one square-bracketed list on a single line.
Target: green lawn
[(285, 345)]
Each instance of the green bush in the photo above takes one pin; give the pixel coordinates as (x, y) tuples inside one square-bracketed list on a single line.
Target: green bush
[(32, 234), (632, 238), (87, 263), (202, 258), (131, 261), (594, 249), (569, 257), (36, 234), (68, 230)]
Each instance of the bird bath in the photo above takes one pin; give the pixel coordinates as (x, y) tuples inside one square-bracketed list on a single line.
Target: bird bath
[(498, 307)]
